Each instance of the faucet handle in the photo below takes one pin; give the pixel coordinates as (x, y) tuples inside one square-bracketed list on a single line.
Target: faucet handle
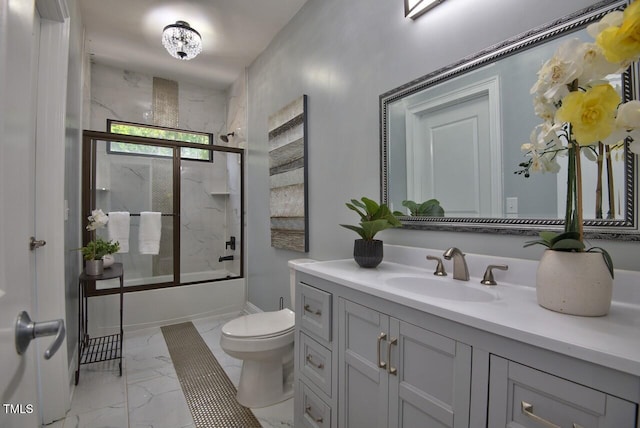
[(487, 279), (439, 268)]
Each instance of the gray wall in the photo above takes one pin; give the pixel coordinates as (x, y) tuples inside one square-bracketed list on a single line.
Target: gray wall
[(343, 55)]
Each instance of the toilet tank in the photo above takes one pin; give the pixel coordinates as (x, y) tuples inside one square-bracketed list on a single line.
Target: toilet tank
[(292, 278)]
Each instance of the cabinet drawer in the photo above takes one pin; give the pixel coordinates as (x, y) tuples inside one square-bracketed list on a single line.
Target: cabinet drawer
[(521, 396), (315, 412), (315, 310), (315, 363)]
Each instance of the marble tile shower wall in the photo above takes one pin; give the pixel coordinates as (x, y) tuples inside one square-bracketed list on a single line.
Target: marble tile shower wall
[(236, 118), (237, 108), (203, 219), (125, 95)]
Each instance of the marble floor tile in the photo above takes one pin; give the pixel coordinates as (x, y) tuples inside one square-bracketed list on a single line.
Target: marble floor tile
[(277, 416), (149, 393), (106, 417)]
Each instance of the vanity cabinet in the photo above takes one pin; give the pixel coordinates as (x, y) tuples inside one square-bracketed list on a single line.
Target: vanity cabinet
[(363, 359), (358, 366), (521, 396), (314, 354), (395, 374)]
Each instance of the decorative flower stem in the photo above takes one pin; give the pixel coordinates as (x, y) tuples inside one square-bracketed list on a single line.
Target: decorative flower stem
[(612, 204), (599, 164), (578, 195), (571, 177), (573, 213)]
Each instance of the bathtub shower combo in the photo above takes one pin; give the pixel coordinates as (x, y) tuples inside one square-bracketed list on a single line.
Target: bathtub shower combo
[(197, 188)]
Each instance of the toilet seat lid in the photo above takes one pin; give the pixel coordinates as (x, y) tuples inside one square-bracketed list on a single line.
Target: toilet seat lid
[(261, 324)]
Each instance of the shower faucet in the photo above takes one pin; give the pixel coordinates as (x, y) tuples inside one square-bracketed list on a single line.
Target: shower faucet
[(231, 243), (225, 258)]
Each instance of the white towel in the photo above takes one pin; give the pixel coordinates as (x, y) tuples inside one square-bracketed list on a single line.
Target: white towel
[(150, 231), (118, 226)]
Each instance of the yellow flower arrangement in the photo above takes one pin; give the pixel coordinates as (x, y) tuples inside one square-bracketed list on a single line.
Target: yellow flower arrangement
[(591, 113), (583, 113), (621, 43)]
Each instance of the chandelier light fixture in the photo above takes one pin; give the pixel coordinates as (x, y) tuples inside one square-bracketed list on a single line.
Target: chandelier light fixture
[(181, 41)]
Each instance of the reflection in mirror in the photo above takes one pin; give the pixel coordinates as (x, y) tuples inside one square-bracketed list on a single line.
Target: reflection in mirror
[(455, 135)]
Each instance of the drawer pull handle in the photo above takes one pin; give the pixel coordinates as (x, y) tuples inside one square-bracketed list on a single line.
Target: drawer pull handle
[(307, 410), (527, 409), (316, 365), (392, 370), (307, 308), (381, 337)]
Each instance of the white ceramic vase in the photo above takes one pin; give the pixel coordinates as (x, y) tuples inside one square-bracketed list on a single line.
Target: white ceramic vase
[(108, 260), (574, 283)]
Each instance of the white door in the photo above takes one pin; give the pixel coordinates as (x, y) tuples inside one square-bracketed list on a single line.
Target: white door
[(454, 155), (17, 193), (454, 150), (21, 393)]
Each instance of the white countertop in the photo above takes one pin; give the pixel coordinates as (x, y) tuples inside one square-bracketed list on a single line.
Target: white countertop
[(612, 341)]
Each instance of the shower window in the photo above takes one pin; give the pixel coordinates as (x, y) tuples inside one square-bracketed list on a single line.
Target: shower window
[(152, 131), (201, 206)]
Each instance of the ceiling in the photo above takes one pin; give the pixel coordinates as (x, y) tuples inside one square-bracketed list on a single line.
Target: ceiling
[(126, 34)]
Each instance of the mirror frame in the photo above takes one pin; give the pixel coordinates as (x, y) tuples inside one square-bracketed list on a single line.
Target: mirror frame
[(622, 229)]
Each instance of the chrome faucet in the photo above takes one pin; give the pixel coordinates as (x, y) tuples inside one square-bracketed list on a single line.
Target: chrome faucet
[(460, 270)]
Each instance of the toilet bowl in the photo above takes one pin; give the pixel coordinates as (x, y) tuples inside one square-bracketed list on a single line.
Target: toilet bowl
[(264, 343)]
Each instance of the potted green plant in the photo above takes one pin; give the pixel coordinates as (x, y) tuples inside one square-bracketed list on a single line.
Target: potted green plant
[(582, 113), (96, 250), (430, 208), (367, 251)]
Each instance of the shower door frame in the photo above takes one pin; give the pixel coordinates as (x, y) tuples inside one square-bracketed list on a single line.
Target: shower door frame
[(88, 180)]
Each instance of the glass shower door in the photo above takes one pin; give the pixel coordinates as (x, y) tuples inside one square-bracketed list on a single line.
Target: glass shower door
[(138, 183), (210, 212)]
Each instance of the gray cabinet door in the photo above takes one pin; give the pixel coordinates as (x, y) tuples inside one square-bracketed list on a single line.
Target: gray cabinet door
[(523, 397), (432, 385), (397, 375), (363, 384)]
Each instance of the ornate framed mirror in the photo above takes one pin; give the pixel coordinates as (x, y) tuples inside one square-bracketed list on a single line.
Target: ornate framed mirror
[(474, 173)]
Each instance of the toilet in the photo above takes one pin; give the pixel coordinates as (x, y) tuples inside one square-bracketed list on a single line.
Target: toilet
[(264, 343)]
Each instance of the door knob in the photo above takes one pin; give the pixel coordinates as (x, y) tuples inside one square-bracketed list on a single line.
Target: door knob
[(35, 243), (26, 330)]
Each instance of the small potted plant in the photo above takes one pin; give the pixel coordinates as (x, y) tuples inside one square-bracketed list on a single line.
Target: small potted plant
[(367, 251), (430, 208), (96, 249)]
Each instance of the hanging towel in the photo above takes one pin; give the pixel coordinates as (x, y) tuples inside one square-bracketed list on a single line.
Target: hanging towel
[(118, 226), (150, 231)]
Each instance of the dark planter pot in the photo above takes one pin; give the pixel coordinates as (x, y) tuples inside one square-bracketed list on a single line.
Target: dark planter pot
[(367, 254)]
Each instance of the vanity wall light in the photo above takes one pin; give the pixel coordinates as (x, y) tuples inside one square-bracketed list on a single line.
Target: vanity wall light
[(415, 8)]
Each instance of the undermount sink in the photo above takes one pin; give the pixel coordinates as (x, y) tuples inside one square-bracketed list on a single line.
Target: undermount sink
[(442, 289)]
